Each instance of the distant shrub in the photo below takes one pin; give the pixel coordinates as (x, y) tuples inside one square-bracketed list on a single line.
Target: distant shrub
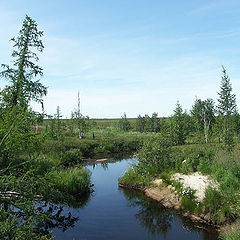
[(204, 166)]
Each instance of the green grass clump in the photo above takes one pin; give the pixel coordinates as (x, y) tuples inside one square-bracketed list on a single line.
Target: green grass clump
[(134, 179), (71, 180), (230, 232), (71, 157)]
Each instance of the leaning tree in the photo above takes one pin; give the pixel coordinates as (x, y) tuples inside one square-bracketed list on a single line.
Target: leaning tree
[(23, 77)]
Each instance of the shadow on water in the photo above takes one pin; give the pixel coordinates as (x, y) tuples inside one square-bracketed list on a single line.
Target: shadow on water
[(157, 220), (154, 218), (59, 215)]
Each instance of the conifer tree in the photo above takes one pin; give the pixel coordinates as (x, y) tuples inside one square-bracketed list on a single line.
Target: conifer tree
[(24, 87), (16, 117), (226, 106), (123, 123), (178, 131)]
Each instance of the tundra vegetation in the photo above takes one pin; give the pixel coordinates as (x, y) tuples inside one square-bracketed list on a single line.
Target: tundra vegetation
[(41, 155)]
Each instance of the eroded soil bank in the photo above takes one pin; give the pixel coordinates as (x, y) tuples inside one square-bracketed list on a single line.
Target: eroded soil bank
[(167, 197)]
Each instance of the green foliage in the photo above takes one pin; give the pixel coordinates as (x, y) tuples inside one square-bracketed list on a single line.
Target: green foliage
[(148, 124), (203, 114), (71, 157), (134, 179), (231, 235), (231, 231), (215, 203), (81, 123), (154, 155), (11, 229), (85, 146), (124, 124), (16, 119), (226, 107), (177, 126), (23, 88), (71, 180), (24, 169), (188, 158), (188, 202), (118, 145), (19, 218)]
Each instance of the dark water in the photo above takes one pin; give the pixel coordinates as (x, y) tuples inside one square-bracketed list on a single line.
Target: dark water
[(114, 213)]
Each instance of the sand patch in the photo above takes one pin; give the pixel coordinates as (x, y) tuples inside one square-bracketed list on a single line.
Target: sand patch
[(195, 181)]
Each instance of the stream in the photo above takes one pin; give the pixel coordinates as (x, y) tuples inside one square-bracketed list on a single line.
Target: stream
[(111, 212)]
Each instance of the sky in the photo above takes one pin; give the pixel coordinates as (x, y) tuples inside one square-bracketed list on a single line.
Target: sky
[(132, 56)]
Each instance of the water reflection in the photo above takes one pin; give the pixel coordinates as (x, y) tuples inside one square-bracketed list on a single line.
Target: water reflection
[(56, 218), (59, 215), (115, 213), (153, 217), (158, 220)]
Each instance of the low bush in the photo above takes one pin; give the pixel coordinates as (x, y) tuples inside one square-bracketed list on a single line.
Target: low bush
[(188, 158), (154, 156), (71, 157)]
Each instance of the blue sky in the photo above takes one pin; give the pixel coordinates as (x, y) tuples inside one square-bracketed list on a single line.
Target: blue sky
[(133, 56)]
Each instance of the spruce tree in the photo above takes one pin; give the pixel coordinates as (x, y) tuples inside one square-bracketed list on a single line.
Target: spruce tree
[(24, 88), (16, 116), (226, 106), (178, 129)]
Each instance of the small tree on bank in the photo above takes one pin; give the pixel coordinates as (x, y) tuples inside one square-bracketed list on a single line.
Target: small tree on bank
[(177, 126), (203, 113), (123, 123), (226, 107)]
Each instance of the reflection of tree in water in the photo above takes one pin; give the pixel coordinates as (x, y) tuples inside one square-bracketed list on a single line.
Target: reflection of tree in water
[(56, 217), (208, 233), (151, 215), (59, 215), (157, 220), (114, 158)]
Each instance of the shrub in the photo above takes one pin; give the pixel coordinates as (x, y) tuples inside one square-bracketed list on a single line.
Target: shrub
[(193, 155), (71, 157), (154, 156), (42, 165)]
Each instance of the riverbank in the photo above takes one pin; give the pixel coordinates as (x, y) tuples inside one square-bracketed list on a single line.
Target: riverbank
[(168, 197), (218, 207)]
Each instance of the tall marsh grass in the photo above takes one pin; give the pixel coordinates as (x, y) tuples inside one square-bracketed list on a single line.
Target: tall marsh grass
[(72, 180)]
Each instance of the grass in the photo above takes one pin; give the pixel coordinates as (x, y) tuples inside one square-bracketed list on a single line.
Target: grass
[(134, 179), (230, 232), (72, 180)]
